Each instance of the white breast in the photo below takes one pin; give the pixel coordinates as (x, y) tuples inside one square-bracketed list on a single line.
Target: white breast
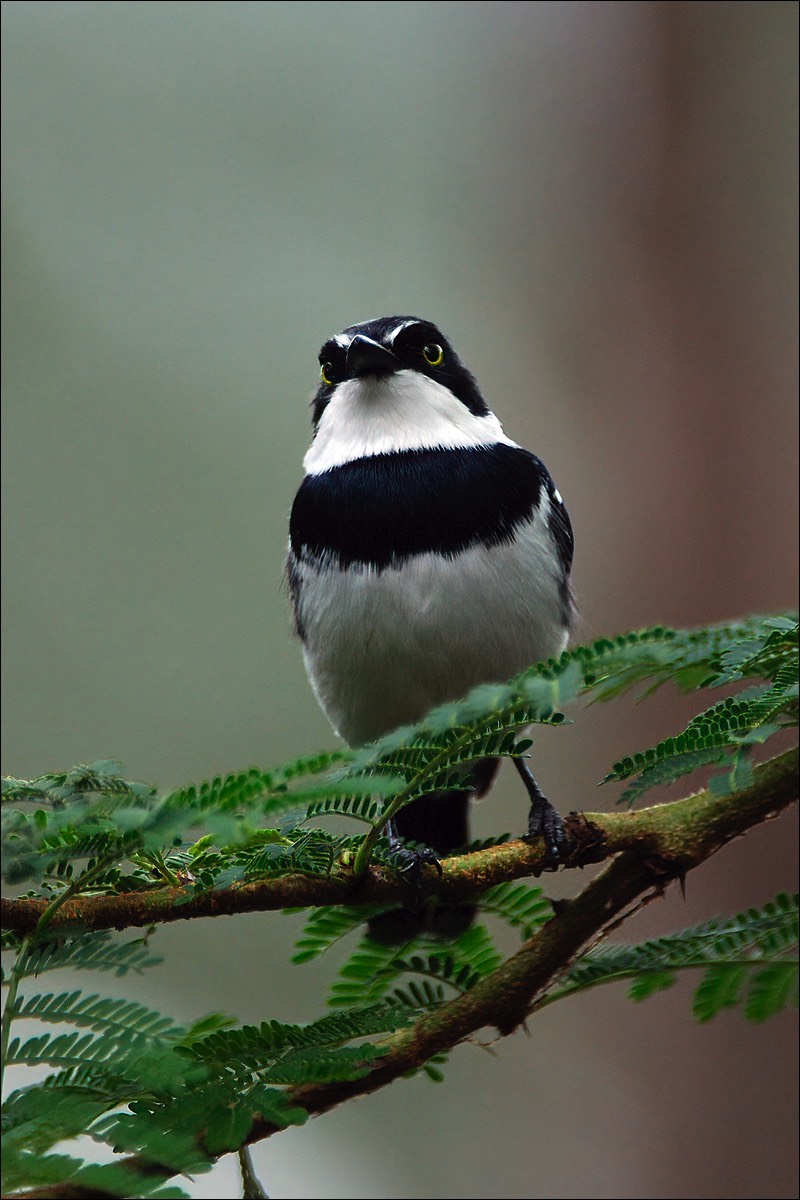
[(382, 647)]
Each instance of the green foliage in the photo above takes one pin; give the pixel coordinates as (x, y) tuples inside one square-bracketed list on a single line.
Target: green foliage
[(755, 647), (176, 1097), (730, 728), (143, 1084), (277, 1047), (91, 825), (92, 952), (120, 1017), (438, 753), (746, 957), (326, 926), (376, 971), (522, 906)]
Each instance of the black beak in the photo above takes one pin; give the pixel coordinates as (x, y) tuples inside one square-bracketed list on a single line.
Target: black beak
[(365, 357)]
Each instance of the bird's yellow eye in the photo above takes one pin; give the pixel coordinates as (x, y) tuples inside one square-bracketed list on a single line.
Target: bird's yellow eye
[(433, 354), (326, 372)]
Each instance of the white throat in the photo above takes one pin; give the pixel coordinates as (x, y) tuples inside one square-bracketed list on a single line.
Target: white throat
[(403, 411)]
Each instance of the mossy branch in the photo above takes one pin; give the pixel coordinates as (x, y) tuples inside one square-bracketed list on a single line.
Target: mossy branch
[(649, 849), (672, 834)]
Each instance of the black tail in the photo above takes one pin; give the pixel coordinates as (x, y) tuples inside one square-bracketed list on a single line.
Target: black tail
[(441, 823)]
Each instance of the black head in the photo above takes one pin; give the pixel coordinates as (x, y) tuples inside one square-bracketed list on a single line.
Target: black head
[(386, 345)]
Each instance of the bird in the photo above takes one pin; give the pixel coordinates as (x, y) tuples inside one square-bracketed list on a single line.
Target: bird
[(428, 553)]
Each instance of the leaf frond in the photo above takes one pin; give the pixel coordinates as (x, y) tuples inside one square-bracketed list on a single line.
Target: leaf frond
[(737, 954)]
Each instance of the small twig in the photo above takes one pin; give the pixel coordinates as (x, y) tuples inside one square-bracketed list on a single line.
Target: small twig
[(252, 1188)]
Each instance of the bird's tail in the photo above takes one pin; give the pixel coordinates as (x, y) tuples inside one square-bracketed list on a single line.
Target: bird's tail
[(440, 822)]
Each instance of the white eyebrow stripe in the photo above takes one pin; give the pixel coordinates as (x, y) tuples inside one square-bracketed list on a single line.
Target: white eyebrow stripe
[(400, 329)]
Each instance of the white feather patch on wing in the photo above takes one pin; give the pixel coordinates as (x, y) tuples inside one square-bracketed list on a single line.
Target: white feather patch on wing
[(404, 411)]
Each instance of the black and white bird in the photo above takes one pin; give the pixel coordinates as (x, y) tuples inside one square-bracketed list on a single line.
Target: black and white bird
[(428, 551)]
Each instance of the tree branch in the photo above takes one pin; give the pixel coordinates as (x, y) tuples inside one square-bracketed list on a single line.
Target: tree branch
[(652, 848), (671, 832), (648, 849)]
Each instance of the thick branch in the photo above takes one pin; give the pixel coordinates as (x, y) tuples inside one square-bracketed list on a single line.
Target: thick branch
[(671, 832), (652, 847)]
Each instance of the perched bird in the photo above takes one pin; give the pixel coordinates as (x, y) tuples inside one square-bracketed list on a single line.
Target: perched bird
[(428, 552)]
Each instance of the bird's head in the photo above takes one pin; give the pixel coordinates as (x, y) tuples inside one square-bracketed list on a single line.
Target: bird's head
[(391, 384)]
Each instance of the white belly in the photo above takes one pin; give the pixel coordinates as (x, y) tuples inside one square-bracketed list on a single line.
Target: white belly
[(381, 648)]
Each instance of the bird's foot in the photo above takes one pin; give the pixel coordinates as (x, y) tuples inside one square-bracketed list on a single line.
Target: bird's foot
[(543, 819), (409, 860)]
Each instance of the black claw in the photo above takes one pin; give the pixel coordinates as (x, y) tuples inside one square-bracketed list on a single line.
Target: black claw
[(543, 820), (407, 859)]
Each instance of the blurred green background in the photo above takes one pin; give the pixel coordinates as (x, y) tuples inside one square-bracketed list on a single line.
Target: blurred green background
[(597, 202)]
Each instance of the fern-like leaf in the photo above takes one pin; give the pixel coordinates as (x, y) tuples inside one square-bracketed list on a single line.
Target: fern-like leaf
[(366, 976), (93, 952), (772, 988), (691, 658), (724, 729), (373, 969), (123, 1018), (259, 1046), (737, 955), (326, 926), (36, 1118), (519, 904), (720, 988), (668, 770)]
